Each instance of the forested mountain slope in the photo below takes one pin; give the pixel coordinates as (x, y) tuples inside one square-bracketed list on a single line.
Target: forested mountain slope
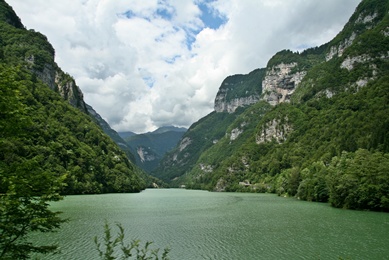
[(236, 93), (44, 123), (321, 130)]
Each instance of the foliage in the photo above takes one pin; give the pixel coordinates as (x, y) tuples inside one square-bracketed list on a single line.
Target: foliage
[(61, 139), (107, 129), (209, 130), (9, 16), (336, 128), (47, 147), (200, 136), (225, 148), (359, 180), (109, 250), (26, 187), (304, 61), (27, 47), (239, 86)]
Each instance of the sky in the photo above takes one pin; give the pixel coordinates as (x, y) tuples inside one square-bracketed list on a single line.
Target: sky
[(143, 64)]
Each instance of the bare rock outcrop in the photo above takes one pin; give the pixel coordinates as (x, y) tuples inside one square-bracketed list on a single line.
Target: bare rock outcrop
[(280, 83)]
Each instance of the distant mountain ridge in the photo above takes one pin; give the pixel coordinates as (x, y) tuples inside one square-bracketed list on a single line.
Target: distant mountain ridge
[(318, 131), (111, 133), (164, 129), (149, 148), (126, 134)]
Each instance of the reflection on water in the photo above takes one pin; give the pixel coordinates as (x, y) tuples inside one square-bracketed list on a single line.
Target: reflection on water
[(205, 225)]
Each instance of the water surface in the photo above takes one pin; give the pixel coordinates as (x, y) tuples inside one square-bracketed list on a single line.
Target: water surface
[(206, 225)]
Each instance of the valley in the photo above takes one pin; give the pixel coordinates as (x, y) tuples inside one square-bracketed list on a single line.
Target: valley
[(291, 163)]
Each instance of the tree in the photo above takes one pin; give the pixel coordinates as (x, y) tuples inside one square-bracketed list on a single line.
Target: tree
[(25, 187), (360, 180)]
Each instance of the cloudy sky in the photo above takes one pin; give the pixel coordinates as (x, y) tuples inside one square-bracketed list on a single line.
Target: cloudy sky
[(143, 64)]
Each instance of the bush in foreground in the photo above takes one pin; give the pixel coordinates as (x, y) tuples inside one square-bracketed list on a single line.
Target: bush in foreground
[(116, 248)]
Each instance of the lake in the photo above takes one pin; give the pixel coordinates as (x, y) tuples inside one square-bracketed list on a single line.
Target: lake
[(208, 225)]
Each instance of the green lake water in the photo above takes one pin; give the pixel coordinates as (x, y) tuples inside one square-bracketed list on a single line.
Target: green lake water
[(208, 225)]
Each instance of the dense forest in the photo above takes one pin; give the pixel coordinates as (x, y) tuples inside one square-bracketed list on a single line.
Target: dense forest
[(319, 131), (41, 127), (49, 143), (328, 142)]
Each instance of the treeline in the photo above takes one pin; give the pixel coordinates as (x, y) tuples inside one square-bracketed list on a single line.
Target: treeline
[(354, 180)]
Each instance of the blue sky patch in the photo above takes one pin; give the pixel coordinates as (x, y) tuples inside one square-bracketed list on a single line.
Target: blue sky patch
[(173, 59), (165, 13), (210, 17), (129, 14), (148, 79)]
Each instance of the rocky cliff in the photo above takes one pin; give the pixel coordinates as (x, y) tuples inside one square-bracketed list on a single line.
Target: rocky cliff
[(44, 67), (222, 105), (315, 107), (238, 91), (39, 59), (280, 83)]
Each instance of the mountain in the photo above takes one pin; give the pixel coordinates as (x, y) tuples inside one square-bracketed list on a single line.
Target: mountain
[(111, 133), (165, 129), (124, 135), (210, 129), (149, 148), (45, 125), (319, 130)]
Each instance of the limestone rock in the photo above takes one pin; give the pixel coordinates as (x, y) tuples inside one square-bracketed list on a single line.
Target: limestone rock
[(144, 155), (274, 130), (279, 83), (239, 91), (338, 50)]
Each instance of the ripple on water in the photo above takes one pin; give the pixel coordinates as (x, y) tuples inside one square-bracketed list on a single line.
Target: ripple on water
[(204, 225)]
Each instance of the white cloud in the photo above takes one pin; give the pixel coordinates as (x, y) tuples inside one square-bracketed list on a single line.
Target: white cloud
[(144, 64)]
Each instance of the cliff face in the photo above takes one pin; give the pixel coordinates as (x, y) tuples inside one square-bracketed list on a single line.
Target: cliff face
[(238, 91), (57, 80), (312, 106), (68, 89), (223, 105), (280, 83), (273, 130)]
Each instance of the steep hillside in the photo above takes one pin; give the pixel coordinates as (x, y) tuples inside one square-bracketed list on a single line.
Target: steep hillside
[(111, 133), (124, 135), (239, 91), (235, 95), (325, 134), (150, 148), (44, 122)]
